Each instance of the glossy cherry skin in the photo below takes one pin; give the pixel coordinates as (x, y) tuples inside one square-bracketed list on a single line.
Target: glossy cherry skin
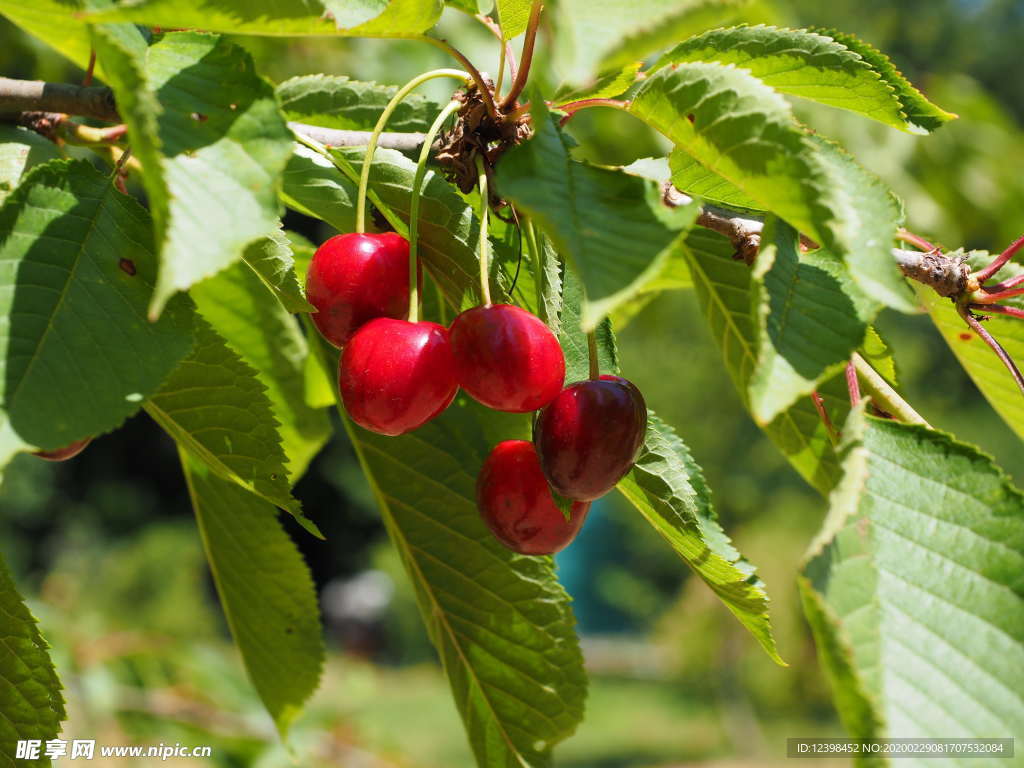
[(507, 358), (589, 436), (395, 376), (514, 500), (355, 278), (65, 453)]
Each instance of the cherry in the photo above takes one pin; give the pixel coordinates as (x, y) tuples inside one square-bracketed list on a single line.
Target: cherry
[(516, 503), (65, 453), (507, 358), (395, 376), (355, 278), (589, 436)]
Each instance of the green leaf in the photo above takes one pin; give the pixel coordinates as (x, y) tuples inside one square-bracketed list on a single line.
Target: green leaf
[(56, 23), (265, 589), (612, 226), (77, 354), (20, 151), (723, 287), (335, 101), (514, 16), (600, 35), (501, 623), (237, 304), (915, 589), (31, 703), (669, 490), (730, 121), (215, 406), (978, 360), (351, 18), (691, 177), (810, 318), (606, 85), (271, 259), (313, 186), (816, 67), (918, 109), (209, 133), (573, 338)]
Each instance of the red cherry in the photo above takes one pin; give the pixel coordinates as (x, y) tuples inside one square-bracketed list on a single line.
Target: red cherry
[(589, 436), (355, 278), (507, 358), (65, 453), (516, 503), (395, 376)]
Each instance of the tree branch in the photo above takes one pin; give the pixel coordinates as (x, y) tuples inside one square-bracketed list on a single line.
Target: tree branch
[(37, 96)]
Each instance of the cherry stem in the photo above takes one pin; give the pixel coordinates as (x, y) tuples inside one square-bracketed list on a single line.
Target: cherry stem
[(988, 338), (87, 80), (573, 107), (485, 209), (1005, 285), (371, 148), (852, 384), (885, 397), (998, 309), (507, 54), (414, 208), (819, 406), (538, 268), (474, 73), (909, 237), (527, 58), (120, 164), (1000, 260), (595, 364), (991, 298)]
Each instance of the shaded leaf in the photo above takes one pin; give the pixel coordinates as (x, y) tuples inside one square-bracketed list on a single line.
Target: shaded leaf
[(810, 318), (56, 23), (236, 303), (693, 178), (732, 122), (606, 85), (313, 186), (265, 589), (215, 407), (723, 287), (335, 101), (209, 133), (355, 18), (612, 226), (817, 67), (271, 259), (77, 354), (31, 702), (914, 587), (669, 489)]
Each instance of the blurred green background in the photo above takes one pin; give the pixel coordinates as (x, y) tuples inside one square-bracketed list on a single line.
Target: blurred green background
[(106, 549)]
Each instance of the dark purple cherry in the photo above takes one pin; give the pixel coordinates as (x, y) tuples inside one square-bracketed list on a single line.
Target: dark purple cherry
[(589, 436), (355, 278), (65, 453), (395, 376), (507, 358), (516, 503)]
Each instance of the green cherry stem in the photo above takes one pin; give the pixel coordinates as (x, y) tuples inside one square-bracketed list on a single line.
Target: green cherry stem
[(884, 396), (485, 209), (371, 148), (595, 364), (538, 268), (414, 207)]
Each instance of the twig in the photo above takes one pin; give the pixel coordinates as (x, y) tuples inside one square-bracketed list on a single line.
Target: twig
[(39, 96), (334, 137)]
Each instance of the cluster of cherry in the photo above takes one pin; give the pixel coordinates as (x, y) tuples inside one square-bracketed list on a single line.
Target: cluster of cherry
[(395, 375)]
